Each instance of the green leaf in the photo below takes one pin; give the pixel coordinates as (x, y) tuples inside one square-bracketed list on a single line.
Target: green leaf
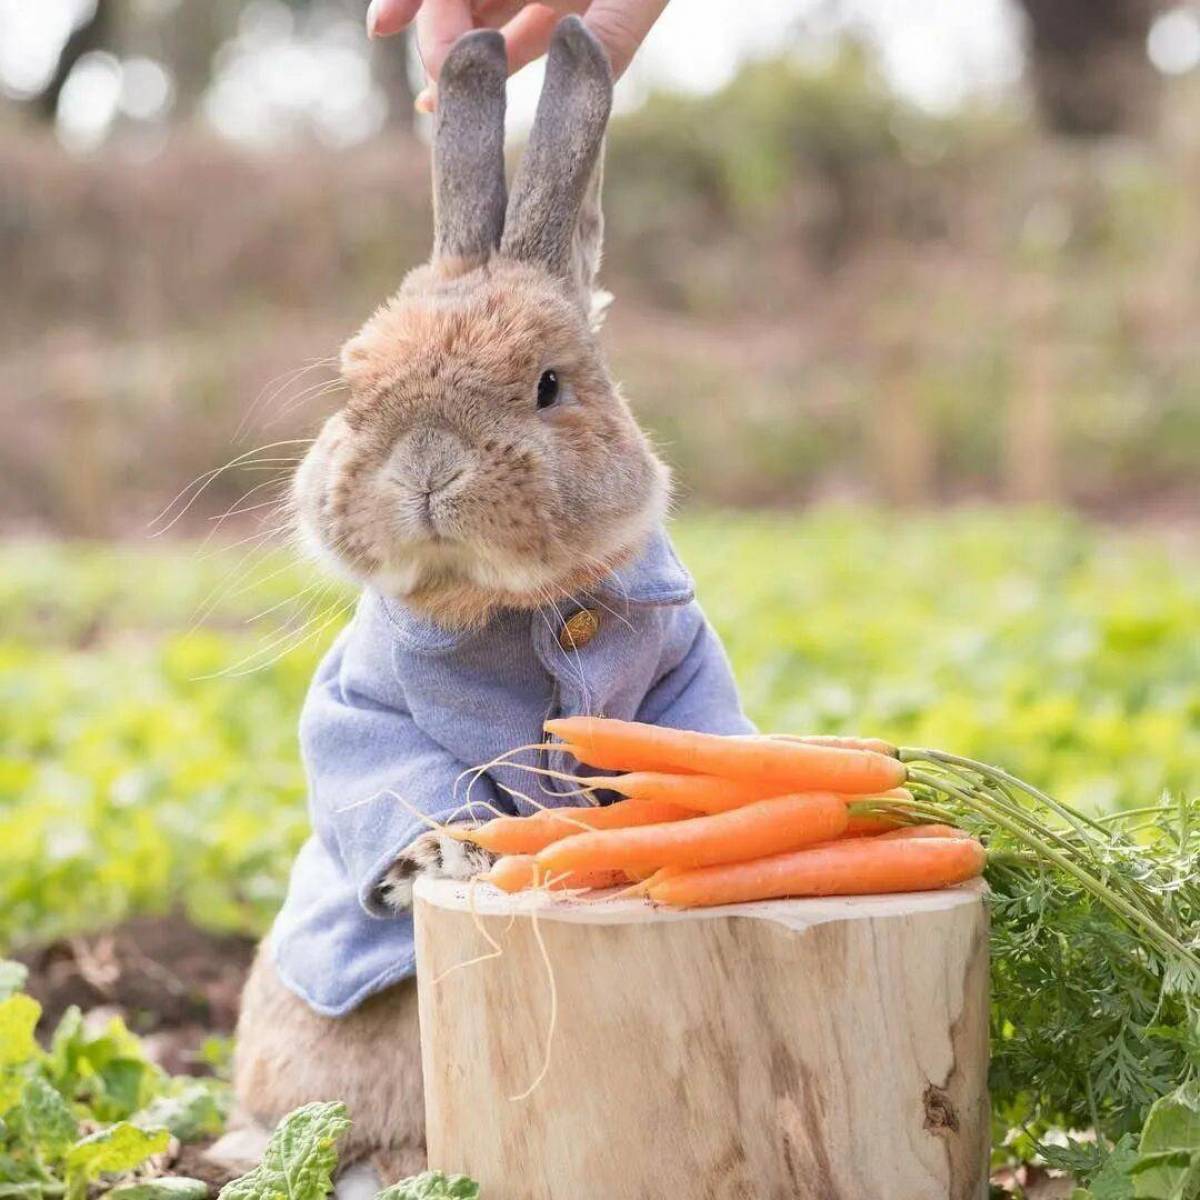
[(108, 1070), (12, 977), (45, 1118), (30, 1189), (432, 1185), (299, 1160), (66, 1040), (125, 1084), (120, 1147), (190, 1115), (1112, 1181), (18, 1018), (18, 1048), (173, 1187), (1168, 1166)]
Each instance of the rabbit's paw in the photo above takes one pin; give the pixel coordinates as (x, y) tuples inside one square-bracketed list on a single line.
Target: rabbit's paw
[(433, 854)]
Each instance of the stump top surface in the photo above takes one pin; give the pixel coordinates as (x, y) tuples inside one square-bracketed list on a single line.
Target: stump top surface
[(595, 909)]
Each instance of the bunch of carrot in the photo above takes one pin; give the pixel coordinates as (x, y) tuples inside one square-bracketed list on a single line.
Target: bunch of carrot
[(720, 820)]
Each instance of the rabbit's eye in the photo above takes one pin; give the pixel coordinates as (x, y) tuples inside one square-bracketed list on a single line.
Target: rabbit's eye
[(547, 389)]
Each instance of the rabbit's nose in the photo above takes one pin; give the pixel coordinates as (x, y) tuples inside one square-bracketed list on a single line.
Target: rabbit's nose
[(431, 459)]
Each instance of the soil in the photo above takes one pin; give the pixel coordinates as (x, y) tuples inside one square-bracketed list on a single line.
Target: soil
[(172, 983)]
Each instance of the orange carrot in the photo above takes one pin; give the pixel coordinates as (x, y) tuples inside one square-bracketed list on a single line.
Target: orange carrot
[(863, 866), (790, 766), (875, 745), (518, 872), (764, 827), (528, 835), (925, 831), (870, 825), (712, 794), (701, 793)]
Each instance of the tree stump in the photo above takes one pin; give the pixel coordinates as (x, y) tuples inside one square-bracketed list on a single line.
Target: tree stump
[(831, 1049)]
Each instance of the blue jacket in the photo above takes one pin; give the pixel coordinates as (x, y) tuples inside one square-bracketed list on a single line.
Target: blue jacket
[(400, 708)]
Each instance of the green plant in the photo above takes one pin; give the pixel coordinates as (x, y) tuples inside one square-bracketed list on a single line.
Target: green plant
[(302, 1155), (90, 1110), (1095, 950)]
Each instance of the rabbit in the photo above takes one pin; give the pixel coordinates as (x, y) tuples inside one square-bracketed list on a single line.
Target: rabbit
[(484, 478)]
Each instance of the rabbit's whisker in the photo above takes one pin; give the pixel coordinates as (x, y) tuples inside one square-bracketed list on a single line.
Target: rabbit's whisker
[(277, 385), (201, 483)]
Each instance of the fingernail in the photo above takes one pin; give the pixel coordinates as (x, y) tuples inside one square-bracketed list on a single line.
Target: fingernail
[(426, 100), (372, 17)]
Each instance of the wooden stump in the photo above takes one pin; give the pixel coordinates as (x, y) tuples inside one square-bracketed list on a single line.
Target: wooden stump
[(795, 1050)]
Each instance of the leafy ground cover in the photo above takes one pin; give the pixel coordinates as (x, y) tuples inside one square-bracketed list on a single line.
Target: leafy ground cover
[(149, 694), (145, 761)]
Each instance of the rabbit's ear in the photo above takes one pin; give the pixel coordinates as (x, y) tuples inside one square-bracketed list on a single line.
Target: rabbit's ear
[(560, 163), (587, 239), (468, 152)]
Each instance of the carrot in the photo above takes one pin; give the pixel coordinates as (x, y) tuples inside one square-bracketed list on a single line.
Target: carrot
[(870, 825), (875, 745), (517, 872), (712, 794), (764, 827), (925, 831), (528, 835), (701, 793), (863, 866), (790, 766)]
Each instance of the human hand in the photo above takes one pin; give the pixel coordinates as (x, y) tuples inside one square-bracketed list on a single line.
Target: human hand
[(619, 25)]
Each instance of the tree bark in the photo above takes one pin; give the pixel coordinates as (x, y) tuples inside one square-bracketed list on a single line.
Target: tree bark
[(796, 1050), (1089, 67)]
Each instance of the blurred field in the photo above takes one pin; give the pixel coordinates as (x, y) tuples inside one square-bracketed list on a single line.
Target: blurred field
[(143, 763), (821, 292)]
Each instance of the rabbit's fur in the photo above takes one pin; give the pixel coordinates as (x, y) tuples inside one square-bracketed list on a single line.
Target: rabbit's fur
[(288, 1055), (443, 483)]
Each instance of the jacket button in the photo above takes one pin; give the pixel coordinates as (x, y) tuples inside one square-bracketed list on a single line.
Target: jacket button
[(579, 629)]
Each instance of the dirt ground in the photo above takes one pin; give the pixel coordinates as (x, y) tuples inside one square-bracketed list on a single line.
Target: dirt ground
[(174, 984)]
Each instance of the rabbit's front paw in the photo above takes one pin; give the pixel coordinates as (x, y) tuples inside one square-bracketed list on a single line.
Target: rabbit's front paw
[(435, 854)]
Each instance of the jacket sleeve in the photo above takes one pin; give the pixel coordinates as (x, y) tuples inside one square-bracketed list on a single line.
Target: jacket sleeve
[(376, 781), (696, 689)]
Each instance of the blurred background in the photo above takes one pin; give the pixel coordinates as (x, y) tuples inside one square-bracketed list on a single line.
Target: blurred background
[(902, 252), (908, 293)]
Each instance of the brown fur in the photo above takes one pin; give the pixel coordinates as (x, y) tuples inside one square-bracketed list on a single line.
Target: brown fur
[(442, 483), (446, 371), (288, 1055)]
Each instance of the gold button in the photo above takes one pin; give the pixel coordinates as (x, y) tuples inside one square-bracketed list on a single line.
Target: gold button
[(579, 629)]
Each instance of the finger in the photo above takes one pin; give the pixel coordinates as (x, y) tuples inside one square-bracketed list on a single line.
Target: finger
[(527, 35), (621, 26), (386, 17), (440, 23), (491, 14)]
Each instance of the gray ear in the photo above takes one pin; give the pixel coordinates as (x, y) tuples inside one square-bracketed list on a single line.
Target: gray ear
[(563, 153), (468, 149), (588, 237)]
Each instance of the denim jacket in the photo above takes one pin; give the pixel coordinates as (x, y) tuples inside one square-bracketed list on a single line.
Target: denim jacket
[(401, 707)]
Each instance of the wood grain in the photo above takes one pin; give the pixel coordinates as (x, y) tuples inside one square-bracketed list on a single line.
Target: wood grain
[(797, 1050)]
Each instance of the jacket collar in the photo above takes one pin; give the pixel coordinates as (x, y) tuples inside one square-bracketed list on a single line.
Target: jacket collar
[(654, 577)]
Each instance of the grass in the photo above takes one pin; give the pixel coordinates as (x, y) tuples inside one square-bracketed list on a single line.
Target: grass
[(143, 762)]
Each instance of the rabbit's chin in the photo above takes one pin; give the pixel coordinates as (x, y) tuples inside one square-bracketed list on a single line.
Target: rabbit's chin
[(457, 585)]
